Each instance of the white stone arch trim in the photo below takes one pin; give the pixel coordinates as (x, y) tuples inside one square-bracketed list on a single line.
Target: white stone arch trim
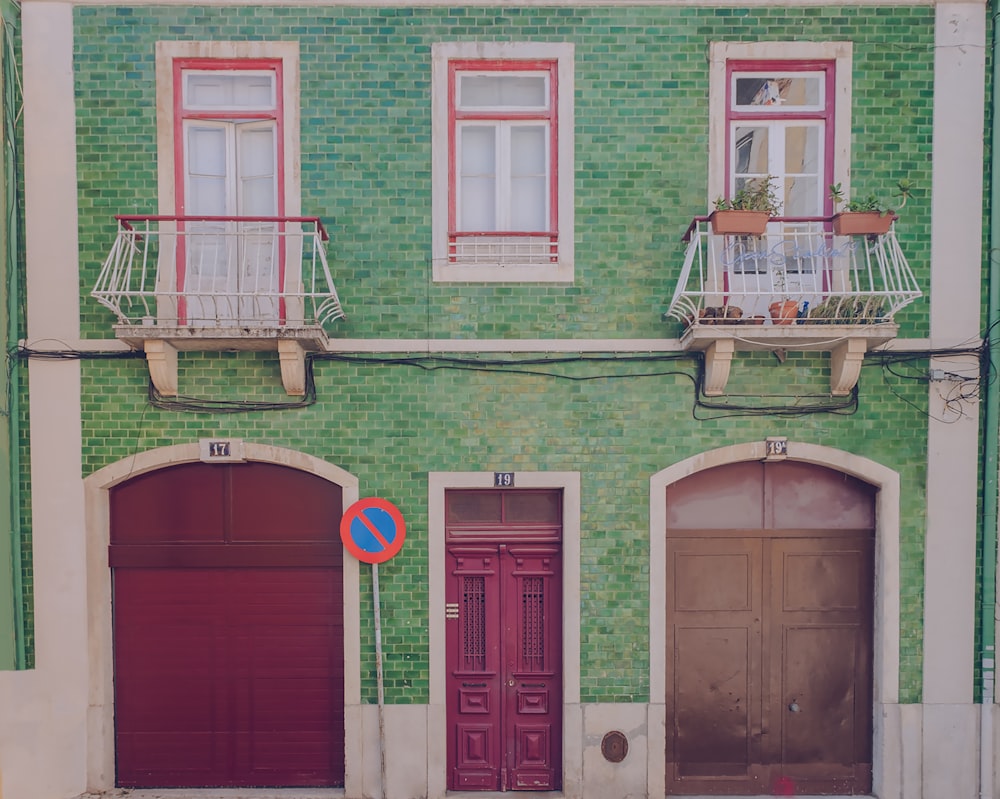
[(97, 487), (885, 647)]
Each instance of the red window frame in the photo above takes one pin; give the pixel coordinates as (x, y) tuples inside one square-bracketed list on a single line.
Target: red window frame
[(456, 115), (182, 113), (827, 67)]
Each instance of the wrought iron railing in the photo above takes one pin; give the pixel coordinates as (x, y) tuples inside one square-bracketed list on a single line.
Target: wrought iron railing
[(219, 272), (831, 279)]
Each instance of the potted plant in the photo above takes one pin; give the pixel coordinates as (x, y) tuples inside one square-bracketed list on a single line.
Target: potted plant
[(748, 211), (865, 216), (784, 311), (849, 311)]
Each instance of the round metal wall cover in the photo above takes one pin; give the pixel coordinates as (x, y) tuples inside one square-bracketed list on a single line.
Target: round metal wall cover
[(614, 746)]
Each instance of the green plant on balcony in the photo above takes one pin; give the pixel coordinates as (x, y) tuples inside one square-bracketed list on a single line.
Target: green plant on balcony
[(748, 210), (866, 215), (849, 311)]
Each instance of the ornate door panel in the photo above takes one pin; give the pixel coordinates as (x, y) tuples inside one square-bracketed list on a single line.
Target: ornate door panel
[(504, 641), (531, 655), (505, 676)]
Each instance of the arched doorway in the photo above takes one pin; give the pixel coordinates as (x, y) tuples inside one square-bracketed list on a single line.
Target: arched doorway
[(769, 589), (228, 626)]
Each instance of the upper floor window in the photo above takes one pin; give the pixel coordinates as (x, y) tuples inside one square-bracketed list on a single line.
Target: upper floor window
[(503, 163), (778, 122), (781, 109)]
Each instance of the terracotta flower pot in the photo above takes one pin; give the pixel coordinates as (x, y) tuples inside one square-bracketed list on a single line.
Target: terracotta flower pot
[(859, 223), (784, 312), (739, 223)]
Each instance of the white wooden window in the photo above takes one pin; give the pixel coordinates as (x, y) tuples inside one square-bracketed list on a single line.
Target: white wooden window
[(503, 162), (228, 146), (230, 140)]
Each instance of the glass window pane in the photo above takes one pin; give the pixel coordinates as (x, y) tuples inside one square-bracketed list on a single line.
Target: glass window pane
[(256, 152), (219, 90), (802, 149), (533, 506), (751, 150), (477, 205), (207, 196), (478, 150), (473, 506), (527, 150), (803, 196), (527, 204), (779, 92), (206, 150), (502, 91)]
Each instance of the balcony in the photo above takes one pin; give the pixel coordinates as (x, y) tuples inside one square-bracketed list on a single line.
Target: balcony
[(842, 294), (214, 283)]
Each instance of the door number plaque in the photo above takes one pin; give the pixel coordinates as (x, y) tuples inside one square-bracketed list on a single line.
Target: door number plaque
[(503, 479), (221, 450), (776, 448)]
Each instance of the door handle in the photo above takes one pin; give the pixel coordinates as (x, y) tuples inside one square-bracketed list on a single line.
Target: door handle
[(793, 707)]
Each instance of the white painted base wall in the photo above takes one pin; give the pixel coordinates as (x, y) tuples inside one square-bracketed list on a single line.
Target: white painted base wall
[(924, 751)]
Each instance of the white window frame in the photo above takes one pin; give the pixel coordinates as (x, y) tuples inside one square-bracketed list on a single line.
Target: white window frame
[(561, 269), (720, 53), (167, 52)]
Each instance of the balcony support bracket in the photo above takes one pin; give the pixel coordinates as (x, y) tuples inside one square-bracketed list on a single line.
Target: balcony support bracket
[(718, 360), (161, 358), (845, 365), (293, 367)]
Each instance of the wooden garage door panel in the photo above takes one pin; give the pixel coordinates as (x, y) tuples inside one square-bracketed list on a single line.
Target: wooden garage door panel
[(823, 581), (696, 586), (229, 677), (713, 697), (266, 499), (807, 496), (146, 508), (724, 497), (819, 670)]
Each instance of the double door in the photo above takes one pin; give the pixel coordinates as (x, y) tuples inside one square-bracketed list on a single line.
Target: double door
[(769, 664), (504, 652)]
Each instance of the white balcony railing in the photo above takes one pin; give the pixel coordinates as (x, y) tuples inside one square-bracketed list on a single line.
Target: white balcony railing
[(210, 272), (835, 280)]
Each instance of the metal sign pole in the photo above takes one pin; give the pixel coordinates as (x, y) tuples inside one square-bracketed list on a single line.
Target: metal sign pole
[(378, 674)]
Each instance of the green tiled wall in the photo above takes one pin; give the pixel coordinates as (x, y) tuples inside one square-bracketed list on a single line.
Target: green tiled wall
[(617, 423), (641, 106), (641, 169)]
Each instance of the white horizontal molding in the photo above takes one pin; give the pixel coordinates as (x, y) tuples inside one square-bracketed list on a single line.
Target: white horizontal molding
[(443, 345), (524, 3)]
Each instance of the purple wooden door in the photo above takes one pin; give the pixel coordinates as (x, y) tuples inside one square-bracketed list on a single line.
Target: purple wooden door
[(228, 628), (504, 653)]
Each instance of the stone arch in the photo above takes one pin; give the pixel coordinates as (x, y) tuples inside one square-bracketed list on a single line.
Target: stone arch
[(886, 611)]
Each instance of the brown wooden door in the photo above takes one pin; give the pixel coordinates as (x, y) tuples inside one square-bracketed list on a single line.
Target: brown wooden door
[(769, 631), (504, 654), (228, 628)]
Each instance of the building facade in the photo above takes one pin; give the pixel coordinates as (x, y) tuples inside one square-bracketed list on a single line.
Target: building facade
[(282, 258)]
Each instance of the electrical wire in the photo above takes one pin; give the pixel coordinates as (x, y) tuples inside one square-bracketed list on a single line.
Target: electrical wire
[(703, 407)]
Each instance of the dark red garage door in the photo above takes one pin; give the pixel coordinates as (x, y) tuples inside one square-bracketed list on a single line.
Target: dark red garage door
[(228, 625)]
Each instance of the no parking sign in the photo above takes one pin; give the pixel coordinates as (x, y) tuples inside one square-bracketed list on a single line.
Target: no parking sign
[(373, 530)]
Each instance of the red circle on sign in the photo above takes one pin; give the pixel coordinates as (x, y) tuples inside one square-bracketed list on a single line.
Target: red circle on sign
[(373, 530)]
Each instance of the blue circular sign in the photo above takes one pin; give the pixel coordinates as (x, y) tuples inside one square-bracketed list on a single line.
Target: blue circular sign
[(373, 530)]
